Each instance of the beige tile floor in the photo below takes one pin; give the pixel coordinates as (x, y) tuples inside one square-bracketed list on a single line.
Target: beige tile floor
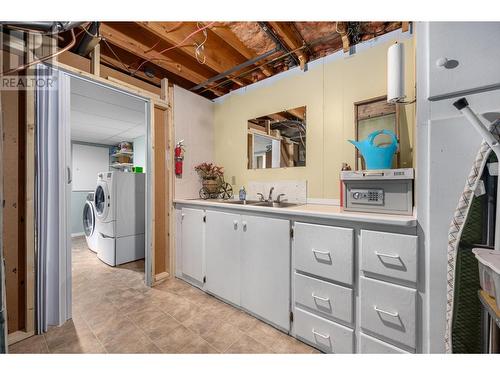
[(113, 312)]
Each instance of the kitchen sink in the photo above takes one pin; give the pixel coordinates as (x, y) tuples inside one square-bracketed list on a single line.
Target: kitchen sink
[(276, 204), (241, 202)]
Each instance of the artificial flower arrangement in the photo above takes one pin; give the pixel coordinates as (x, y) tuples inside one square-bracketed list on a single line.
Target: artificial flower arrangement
[(209, 171)]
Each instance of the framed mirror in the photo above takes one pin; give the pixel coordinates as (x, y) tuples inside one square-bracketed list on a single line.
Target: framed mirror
[(375, 114), (277, 140)]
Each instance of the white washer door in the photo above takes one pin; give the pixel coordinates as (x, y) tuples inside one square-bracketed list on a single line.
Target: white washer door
[(102, 200), (88, 219)]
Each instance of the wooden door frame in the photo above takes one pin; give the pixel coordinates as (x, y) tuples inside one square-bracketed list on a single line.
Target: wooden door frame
[(159, 102)]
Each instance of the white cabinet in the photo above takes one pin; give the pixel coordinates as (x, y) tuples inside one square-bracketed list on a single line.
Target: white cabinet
[(331, 300), (327, 336), (265, 268), (370, 345), (192, 242), (473, 54), (389, 254), (388, 310), (223, 243), (324, 251)]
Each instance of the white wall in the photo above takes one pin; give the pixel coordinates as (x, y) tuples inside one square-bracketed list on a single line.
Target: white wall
[(87, 162), (446, 145), (194, 123), (140, 152)]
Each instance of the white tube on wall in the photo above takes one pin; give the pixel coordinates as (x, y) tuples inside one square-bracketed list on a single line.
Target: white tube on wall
[(395, 73)]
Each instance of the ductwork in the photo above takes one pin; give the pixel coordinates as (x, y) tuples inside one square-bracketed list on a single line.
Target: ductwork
[(89, 41)]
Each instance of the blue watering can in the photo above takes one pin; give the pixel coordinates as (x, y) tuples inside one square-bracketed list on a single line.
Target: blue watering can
[(377, 157)]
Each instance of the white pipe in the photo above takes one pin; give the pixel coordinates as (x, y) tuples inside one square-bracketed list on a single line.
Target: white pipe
[(463, 106)]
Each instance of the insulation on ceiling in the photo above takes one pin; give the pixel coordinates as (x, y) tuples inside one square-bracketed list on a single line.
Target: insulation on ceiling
[(252, 35)]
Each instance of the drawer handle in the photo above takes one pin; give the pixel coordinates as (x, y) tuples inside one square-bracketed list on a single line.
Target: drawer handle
[(396, 256), (321, 252), (235, 223), (393, 314), (326, 337), (320, 298)]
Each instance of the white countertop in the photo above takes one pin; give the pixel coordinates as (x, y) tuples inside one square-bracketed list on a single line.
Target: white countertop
[(310, 210)]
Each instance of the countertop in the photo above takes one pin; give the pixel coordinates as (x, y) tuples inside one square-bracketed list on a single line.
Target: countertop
[(310, 210)]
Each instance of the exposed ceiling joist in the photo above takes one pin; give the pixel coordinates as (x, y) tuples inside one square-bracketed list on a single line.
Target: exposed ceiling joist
[(171, 63), (216, 53), (342, 29), (223, 32), (233, 55), (291, 37)]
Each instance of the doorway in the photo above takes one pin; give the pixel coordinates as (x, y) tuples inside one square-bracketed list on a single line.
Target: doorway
[(108, 135), (101, 139)]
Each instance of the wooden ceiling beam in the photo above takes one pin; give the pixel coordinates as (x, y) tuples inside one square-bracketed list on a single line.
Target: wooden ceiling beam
[(127, 63), (342, 30), (299, 112), (172, 63), (218, 54), (290, 36), (223, 32)]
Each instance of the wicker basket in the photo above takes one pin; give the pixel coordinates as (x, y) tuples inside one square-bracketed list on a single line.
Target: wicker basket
[(210, 185)]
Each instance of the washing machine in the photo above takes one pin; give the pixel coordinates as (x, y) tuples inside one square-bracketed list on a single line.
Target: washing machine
[(120, 212), (89, 223)]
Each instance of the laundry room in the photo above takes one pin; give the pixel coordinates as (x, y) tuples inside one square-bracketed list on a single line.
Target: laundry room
[(108, 156)]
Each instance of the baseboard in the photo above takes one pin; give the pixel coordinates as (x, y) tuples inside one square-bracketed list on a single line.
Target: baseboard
[(17, 336), (157, 279), (73, 235)]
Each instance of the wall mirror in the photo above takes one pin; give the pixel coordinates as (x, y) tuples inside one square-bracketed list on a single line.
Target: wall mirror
[(375, 114), (277, 140)]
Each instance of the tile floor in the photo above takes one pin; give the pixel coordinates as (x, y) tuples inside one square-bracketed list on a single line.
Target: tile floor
[(113, 312)]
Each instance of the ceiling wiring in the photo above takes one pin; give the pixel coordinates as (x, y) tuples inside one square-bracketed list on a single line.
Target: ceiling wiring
[(200, 48), (116, 56), (172, 47), (188, 37)]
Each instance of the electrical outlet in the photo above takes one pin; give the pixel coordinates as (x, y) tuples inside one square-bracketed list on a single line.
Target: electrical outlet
[(233, 180)]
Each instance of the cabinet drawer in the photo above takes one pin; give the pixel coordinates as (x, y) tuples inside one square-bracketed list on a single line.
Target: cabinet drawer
[(388, 310), (324, 251), (329, 299), (388, 254), (371, 345), (323, 334)]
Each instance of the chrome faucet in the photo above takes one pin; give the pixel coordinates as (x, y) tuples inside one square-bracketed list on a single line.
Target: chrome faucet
[(270, 199), (278, 198)]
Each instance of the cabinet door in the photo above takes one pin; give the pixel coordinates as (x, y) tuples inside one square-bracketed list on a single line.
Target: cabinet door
[(223, 238), (265, 269), (192, 240), (472, 50)]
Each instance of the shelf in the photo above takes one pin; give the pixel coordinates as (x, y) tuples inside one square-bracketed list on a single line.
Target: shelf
[(490, 306), (123, 153), (122, 165)]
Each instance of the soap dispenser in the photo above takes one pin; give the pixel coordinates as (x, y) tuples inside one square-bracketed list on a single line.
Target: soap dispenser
[(243, 194)]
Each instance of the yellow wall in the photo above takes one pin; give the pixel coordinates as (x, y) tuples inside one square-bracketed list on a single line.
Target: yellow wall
[(329, 90)]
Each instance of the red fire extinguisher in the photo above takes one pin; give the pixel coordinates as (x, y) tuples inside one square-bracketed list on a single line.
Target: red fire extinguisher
[(179, 157)]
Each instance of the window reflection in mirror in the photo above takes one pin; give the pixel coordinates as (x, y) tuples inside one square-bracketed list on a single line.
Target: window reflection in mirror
[(277, 140)]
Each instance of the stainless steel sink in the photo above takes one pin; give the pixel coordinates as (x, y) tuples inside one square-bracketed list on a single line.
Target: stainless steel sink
[(241, 202), (276, 204)]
